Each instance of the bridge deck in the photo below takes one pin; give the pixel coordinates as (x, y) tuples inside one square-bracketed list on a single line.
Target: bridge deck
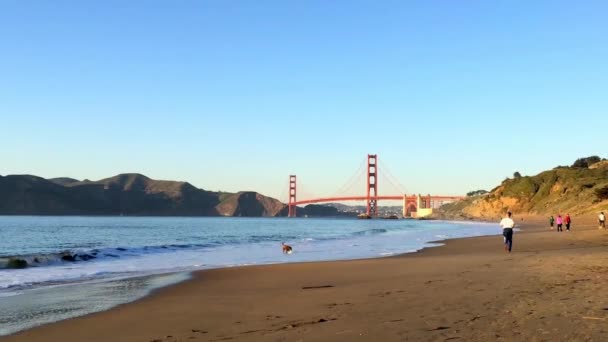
[(385, 198)]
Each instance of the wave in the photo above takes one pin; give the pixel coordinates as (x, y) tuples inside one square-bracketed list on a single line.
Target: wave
[(86, 253), (78, 255), (83, 255), (368, 232), (69, 253)]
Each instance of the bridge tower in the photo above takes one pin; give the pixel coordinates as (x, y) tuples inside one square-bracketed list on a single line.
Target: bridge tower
[(292, 196), (372, 185)]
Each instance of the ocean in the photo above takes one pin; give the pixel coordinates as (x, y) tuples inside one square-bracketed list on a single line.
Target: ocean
[(80, 265)]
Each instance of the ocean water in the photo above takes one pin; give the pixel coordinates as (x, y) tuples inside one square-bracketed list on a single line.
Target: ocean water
[(78, 265)]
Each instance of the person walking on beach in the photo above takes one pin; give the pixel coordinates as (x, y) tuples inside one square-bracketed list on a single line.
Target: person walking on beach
[(507, 225), (567, 221), (602, 220), (559, 223), (551, 220)]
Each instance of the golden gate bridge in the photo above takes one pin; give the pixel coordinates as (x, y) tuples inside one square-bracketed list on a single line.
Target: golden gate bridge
[(413, 205)]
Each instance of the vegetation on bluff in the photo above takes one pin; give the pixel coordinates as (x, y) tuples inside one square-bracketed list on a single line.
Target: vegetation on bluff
[(578, 189), (476, 193)]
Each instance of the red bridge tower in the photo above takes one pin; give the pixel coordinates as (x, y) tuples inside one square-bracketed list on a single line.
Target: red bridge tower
[(292, 196), (372, 185)]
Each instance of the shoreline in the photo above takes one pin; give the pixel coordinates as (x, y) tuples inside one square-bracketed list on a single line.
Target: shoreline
[(72, 300), (191, 274), (204, 285)]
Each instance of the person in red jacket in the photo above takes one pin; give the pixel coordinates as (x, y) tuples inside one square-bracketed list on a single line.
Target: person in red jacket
[(567, 221)]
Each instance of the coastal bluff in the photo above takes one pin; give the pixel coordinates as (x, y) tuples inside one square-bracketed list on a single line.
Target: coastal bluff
[(126, 194), (579, 189)]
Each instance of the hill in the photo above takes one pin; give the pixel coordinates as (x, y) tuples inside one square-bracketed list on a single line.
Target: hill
[(578, 189), (25, 194), (63, 180), (249, 203), (125, 194)]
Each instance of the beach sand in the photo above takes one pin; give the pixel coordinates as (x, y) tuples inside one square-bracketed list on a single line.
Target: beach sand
[(553, 287)]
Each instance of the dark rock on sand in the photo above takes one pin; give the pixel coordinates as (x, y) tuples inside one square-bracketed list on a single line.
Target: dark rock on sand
[(68, 257)]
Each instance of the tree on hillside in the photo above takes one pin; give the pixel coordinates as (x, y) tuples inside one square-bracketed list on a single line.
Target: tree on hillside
[(516, 175), (476, 192), (585, 162)]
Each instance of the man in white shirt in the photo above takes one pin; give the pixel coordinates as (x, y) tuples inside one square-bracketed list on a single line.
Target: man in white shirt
[(507, 225), (602, 220)]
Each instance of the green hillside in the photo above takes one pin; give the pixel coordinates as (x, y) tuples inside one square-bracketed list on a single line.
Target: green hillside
[(578, 189)]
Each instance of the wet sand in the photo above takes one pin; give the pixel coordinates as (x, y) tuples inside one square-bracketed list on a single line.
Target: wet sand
[(553, 287)]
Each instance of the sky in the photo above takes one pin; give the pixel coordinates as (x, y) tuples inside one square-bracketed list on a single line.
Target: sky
[(233, 95)]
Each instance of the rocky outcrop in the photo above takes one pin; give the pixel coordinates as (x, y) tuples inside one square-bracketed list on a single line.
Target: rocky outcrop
[(16, 263), (250, 204)]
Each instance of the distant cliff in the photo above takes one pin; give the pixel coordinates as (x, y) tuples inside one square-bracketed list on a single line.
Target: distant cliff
[(125, 194), (578, 189)]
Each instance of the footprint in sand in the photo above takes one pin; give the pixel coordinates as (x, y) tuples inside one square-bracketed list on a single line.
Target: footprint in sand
[(316, 287), (441, 327), (299, 324), (395, 320)]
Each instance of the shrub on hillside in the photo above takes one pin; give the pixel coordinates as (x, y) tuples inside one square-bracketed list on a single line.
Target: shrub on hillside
[(521, 187), (476, 193), (585, 162), (602, 193)]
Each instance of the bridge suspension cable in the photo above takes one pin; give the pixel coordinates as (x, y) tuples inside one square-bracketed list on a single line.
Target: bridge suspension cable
[(392, 180), (355, 180), (303, 192)]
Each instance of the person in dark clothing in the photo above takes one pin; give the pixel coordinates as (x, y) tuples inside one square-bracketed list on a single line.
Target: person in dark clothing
[(551, 221), (507, 225)]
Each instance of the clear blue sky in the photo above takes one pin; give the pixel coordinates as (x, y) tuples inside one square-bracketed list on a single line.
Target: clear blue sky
[(237, 95)]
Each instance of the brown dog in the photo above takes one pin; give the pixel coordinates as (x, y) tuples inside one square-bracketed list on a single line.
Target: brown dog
[(286, 248)]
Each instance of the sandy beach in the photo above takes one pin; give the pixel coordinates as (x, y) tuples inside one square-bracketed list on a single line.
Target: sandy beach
[(551, 288)]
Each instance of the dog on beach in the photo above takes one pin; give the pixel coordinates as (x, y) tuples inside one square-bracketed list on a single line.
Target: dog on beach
[(286, 248)]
